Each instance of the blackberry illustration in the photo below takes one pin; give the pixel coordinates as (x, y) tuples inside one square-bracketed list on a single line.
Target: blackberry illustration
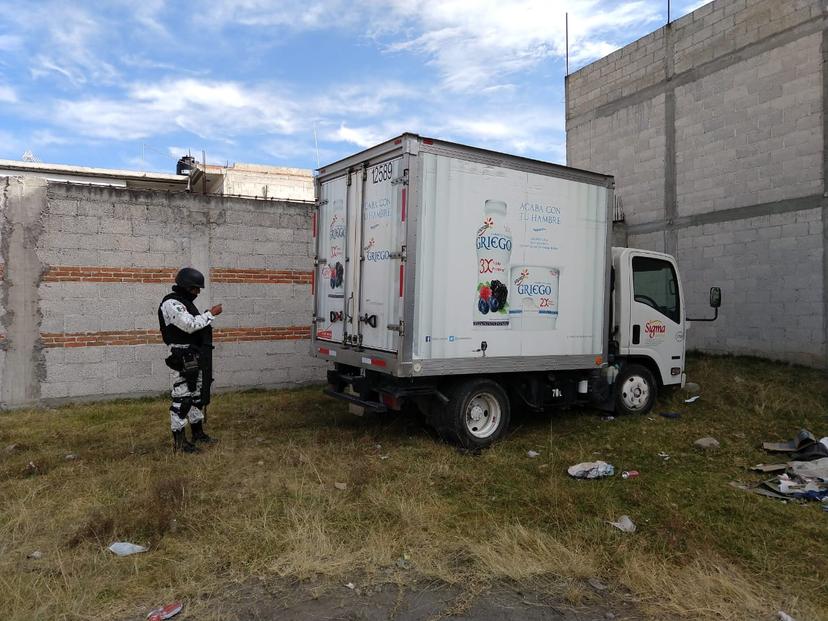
[(340, 272), (499, 292)]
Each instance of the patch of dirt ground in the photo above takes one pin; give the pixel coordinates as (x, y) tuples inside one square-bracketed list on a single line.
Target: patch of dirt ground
[(316, 601)]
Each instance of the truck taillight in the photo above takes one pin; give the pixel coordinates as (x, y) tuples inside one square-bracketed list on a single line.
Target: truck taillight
[(327, 352)]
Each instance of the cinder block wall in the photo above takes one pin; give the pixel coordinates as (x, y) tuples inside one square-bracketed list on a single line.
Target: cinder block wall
[(85, 268), (714, 127)]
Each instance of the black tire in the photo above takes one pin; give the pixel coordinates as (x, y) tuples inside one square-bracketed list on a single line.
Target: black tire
[(476, 415), (636, 390)]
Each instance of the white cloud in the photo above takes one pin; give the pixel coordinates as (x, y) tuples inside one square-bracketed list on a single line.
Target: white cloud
[(7, 94), (10, 43), (474, 44), (219, 110)]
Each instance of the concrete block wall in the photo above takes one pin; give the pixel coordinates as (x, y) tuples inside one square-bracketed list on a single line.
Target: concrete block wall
[(752, 132), (734, 179), (89, 266)]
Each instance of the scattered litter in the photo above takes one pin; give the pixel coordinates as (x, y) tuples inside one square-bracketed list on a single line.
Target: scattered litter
[(770, 467), (70, 457), (260, 463), (124, 548), (591, 470), (11, 448), (692, 399), (624, 523), (165, 612), (404, 562), (384, 456), (707, 443), (30, 469), (670, 415), (817, 469), (608, 418), (802, 439), (378, 447), (630, 474), (784, 616), (340, 486), (651, 418), (36, 555), (533, 454), (597, 584), (350, 585), (663, 455)]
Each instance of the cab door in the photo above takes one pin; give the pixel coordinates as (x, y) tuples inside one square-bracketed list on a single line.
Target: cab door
[(656, 315)]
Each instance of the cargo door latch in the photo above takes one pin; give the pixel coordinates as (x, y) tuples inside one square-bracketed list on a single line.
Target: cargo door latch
[(400, 327), (371, 320)]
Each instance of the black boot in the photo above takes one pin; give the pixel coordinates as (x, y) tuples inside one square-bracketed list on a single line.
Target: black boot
[(181, 444), (199, 435)]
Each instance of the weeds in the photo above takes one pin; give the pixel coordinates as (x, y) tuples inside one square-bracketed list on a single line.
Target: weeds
[(263, 503)]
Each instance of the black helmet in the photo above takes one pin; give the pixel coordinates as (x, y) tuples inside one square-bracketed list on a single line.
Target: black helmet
[(189, 277)]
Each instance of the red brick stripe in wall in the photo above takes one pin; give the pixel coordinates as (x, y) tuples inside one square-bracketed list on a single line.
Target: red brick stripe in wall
[(166, 275), (151, 337), (72, 273), (255, 276)]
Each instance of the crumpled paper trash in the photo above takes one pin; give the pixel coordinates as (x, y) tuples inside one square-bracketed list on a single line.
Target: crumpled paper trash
[(624, 523), (591, 470), (124, 548)]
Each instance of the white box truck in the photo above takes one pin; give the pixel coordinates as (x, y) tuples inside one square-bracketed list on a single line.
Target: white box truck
[(466, 282)]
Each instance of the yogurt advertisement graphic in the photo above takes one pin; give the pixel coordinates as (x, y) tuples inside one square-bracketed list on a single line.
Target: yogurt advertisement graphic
[(494, 249), (534, 294), (336, 237)]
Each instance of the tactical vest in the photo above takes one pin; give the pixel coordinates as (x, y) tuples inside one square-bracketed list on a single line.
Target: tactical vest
[(174, 335)]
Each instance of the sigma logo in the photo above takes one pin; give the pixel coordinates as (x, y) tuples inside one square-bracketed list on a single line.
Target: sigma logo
[(337, 229), (654, 328)]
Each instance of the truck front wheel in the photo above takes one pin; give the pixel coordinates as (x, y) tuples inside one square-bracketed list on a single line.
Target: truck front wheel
[(635, 390), (477, 413)]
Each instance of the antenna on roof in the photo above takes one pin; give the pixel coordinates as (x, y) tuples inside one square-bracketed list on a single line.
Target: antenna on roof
[(316, 142), (28, 156), (566, 28)]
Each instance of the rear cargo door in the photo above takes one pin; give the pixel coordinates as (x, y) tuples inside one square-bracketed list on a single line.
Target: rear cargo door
[(332, 235), (382, 257)]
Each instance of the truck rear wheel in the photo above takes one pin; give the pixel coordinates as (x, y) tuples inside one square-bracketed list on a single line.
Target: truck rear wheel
[(635, 390), (477, 413)]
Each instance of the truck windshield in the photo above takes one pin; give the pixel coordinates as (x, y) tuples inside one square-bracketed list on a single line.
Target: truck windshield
[(655, 284)]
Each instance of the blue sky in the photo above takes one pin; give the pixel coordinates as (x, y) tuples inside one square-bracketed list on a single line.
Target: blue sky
[(101, 83)]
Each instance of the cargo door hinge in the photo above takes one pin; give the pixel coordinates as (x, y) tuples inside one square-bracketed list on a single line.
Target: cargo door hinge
[(403, 180), (322, 202), (398, 255), (400, 327)]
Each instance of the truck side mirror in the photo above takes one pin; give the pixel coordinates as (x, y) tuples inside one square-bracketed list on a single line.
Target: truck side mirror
[(715, 297)]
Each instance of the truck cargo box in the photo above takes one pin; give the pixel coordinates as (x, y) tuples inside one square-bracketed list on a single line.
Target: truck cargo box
[(434, 258)]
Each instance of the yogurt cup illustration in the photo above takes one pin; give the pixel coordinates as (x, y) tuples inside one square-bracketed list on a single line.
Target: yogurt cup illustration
[(493, 243), (533, 291)]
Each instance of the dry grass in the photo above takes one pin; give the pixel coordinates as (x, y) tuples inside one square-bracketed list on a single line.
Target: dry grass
[(263, 503)]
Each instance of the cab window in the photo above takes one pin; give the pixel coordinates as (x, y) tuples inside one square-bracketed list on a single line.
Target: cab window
[(655, 284)]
